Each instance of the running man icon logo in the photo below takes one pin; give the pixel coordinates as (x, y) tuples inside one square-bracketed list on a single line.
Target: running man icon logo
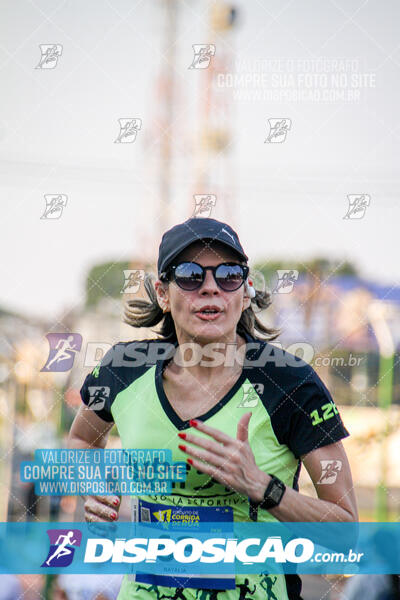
[(202, 55), (251, 393), (63, 347), (286, 281), (357, 205), (128, 129), (55, 203), (98, 396), (330, 470), (50, 55), (62, 547), (204, 204), (133, 277), (278, 129)]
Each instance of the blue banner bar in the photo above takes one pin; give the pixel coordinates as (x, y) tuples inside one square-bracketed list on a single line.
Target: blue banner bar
[(222, 547)]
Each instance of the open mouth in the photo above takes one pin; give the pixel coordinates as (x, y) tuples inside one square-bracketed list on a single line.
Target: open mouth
[(208, 313)]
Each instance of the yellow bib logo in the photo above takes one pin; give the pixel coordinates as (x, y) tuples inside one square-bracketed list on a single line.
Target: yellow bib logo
[(163, 515)]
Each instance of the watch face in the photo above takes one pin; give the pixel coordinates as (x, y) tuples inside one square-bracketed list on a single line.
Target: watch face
[(276, 493)]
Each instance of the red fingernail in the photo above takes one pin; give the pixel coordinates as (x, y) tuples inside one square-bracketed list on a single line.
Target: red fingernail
[(114, 516), (193, 423), (116, 502), (182, 435), (181, 447), (189, 460)]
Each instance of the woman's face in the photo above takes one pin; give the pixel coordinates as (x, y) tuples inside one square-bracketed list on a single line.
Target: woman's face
[(186, 306)]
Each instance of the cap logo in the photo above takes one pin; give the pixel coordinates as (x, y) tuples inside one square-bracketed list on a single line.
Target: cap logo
[(230, 235)]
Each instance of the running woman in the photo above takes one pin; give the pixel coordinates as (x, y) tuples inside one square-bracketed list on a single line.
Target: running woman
[(243, 451)]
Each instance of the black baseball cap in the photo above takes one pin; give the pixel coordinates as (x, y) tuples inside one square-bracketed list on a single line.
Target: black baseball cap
[(182, 235)]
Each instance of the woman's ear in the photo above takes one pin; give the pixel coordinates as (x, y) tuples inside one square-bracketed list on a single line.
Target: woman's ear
[(162, 295), (246, 302)]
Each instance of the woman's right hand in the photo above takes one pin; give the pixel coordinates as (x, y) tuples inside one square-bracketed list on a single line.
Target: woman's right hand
[(101, 509)]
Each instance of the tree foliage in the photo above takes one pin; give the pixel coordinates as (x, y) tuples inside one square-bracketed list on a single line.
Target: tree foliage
[(105, 279)]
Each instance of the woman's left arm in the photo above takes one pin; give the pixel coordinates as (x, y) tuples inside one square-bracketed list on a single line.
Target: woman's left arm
[(336, 501)]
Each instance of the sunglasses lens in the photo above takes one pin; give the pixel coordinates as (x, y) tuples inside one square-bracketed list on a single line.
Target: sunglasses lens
[(229, 277), (188, 276)]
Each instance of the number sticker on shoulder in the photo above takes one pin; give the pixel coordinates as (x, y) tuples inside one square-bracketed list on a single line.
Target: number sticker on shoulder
[(327, 411)]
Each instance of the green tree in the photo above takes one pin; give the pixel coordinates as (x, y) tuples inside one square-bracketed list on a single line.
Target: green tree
[(316, 269), (105, 279)]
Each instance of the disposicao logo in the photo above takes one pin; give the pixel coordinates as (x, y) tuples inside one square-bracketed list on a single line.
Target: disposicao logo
[(190, 550), (62, 547)]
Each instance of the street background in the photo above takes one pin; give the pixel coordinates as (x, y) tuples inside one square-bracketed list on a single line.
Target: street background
[(120, 119)]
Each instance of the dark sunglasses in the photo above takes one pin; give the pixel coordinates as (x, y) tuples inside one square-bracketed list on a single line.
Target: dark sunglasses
[(190, 276)]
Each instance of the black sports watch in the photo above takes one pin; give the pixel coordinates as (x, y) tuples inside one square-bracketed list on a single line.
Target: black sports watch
[(272, 497)]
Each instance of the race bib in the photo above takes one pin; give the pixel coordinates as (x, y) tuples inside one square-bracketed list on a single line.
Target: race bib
[(183, 516)]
